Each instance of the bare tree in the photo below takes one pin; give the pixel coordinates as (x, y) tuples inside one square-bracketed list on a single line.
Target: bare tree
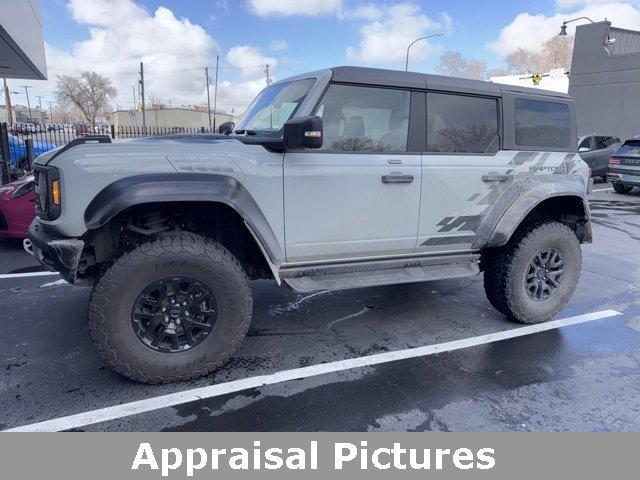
[(453, 64), (556, 53), (475, 69), (89, 93), (523, 61), (497, 72)]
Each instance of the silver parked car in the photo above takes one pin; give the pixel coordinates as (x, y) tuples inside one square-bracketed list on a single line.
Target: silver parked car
[(596, 151), (336, 179)]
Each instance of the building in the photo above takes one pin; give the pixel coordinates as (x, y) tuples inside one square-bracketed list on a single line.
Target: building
[(168, 118), (556, 80), (21, 40), (21, 114), (605, 80)]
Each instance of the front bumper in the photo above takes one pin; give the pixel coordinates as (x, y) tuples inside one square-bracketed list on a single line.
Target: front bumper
[(56, 253)]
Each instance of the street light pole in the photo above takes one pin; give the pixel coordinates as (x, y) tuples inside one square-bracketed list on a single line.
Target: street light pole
[(563, 28), (406, 65)]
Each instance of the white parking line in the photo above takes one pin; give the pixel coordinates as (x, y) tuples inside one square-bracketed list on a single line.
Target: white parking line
[(28, 274), (173, 399), (603, 189)]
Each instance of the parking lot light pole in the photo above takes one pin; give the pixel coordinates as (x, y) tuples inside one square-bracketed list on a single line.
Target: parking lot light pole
[(406, 64), (563, 28)]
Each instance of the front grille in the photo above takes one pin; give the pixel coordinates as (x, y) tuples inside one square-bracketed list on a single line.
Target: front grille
[(3, 222)]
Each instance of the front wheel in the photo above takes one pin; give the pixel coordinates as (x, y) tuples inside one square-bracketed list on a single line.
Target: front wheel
[(534, 276), (175, 308), (621, 188)]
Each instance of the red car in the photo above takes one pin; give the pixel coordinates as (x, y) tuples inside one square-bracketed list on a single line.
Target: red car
[(17, 207)]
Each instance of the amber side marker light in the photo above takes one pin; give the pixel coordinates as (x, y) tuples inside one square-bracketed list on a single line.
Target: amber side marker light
[(55, 192)]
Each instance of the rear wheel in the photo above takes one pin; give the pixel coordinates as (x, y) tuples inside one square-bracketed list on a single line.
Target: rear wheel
[(621, 188), (534, 276), (173, 309)]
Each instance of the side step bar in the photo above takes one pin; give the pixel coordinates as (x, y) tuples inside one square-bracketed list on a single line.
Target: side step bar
[(387, 272)]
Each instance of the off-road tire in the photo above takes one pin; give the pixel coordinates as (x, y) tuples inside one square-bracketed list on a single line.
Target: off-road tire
[(506, 267), (169, 254), (621, 188)]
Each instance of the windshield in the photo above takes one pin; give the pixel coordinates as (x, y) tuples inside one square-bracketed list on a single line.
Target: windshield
[(274, 106)]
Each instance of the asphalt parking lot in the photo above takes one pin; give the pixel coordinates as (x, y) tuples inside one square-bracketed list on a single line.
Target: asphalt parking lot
[(582, 376)]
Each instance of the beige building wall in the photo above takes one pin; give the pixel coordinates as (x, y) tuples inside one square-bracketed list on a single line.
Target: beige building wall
[(167, 117)]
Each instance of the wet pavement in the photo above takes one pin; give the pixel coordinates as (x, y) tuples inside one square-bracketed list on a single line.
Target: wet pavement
[(581, 377)]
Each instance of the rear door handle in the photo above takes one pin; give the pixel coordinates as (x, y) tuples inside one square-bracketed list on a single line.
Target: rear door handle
[(495, 177), (397, 178)]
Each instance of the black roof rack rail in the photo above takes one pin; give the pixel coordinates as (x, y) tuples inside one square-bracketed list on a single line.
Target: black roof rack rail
[(81, 141)]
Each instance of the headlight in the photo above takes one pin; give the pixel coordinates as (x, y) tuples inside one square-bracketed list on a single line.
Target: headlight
[(49, 192), (22, 190)]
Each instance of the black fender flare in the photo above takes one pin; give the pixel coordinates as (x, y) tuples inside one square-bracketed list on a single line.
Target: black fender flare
[(184, 187), (520, 199)]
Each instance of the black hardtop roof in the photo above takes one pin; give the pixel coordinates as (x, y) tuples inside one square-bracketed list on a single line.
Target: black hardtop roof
[(397, 78)]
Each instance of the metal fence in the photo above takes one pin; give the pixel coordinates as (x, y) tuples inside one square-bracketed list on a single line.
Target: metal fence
[(20, 144)]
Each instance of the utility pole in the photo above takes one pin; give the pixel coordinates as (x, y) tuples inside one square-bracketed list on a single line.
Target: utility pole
[(41, 111), (206, 72), (26, 90), (215, 93), (135, 106), (7, 101), (144, 117), (51, 111), (266, 70)]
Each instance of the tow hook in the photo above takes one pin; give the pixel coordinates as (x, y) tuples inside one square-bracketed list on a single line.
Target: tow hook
[(28, 246)]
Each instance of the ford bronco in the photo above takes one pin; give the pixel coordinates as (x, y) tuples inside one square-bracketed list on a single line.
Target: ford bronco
[(342, 178)]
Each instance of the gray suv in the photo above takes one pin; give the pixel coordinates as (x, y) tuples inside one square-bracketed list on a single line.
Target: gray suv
[(342, 178), (596, 151)]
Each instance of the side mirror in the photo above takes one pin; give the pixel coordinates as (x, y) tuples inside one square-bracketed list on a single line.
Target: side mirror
[(303, 132), (583, 150)]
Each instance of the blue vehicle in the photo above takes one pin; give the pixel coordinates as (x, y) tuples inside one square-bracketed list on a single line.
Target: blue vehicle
[(18, 150)]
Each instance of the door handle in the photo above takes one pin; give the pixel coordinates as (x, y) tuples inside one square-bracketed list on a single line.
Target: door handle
[(495, 177), (397, 178)]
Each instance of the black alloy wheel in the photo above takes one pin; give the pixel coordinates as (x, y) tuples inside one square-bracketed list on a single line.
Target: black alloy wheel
[(174, 314), (544, 274)]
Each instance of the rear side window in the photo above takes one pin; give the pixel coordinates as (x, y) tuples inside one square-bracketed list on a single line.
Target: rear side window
[(631, 147), (462, 124), (605, 142), (542, 124)]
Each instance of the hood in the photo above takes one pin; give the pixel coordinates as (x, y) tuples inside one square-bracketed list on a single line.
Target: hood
[(189, 138), (10, 188), (44, 158), (155, 147)]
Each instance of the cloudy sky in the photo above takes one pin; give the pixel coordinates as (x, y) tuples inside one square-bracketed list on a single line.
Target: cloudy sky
[(177, 38)]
